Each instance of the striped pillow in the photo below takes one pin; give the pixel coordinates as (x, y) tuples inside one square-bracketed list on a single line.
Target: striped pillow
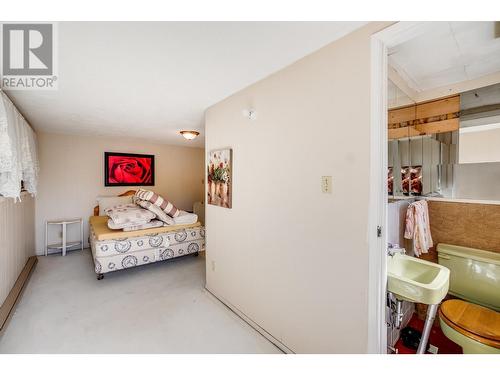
[(158, 200), (160, 214)]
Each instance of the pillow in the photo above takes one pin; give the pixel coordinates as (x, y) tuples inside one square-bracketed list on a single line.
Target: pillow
[(160, 214), (158, 200), (151, 224), (129, 214), (113, 225), (135, 226), (186, 218), (108, 202)]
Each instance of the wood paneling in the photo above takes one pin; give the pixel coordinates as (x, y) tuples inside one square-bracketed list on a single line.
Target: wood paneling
[(17, 239), (438, 126), (427, 128), (437, 116), (438, 107), (408, 131), (405, 114)]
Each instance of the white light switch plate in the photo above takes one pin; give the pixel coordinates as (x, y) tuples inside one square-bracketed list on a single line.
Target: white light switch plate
[(326, 184)]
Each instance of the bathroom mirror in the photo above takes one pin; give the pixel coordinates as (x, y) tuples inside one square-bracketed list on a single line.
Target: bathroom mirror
[(460, 164), (399, 143), (477, 171), (426, 164)]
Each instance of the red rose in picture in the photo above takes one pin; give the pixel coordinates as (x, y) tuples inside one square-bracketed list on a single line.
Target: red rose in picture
[(129, 169)]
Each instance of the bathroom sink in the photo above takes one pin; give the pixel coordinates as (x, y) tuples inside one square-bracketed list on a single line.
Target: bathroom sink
[(417, 280)]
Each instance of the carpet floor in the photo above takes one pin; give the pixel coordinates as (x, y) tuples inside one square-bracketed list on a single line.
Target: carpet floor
[(158, 308)]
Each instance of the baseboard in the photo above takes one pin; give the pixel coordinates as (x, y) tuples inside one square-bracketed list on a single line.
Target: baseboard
[(10, 302), (254, 325)]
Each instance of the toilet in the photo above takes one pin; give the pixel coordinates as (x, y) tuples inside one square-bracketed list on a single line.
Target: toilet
[(473, 321)]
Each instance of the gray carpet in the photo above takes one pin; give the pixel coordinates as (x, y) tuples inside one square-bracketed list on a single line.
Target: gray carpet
[(158, 308)]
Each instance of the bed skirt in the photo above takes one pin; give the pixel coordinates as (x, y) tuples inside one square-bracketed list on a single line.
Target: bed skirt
[(131, 251)]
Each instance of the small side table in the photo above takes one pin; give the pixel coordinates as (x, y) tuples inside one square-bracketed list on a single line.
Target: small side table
[(64, 245)]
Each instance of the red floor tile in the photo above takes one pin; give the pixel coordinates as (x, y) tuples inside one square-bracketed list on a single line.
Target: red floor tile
[(436, 338)]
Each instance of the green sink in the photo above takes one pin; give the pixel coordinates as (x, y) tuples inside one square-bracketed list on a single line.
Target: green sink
[(417, 280)]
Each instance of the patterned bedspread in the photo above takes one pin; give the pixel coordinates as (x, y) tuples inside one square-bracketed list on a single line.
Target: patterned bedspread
[(126, 252)]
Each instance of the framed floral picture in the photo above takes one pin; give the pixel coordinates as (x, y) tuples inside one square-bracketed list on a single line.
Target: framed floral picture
[(219, 177), (122, 169)]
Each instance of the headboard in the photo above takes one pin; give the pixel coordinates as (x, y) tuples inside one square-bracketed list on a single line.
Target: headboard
[(128, 192)]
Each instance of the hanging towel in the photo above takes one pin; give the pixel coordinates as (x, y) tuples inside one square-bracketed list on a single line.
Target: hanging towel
[(418, 228)]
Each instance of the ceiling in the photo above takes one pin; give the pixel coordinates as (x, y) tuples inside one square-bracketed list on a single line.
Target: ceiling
[(152, 79), (447, 53), (396, 97)]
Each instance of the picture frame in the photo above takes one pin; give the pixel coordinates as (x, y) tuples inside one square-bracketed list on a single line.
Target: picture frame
[(128, 169), (220, 178)]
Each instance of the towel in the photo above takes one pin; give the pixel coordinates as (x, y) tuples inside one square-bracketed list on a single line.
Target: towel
[(418, 227)]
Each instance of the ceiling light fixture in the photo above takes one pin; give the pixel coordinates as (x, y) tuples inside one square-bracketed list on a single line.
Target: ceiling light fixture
[(189, 134)]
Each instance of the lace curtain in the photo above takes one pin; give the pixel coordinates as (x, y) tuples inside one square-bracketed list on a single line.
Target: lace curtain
[(18, 152)]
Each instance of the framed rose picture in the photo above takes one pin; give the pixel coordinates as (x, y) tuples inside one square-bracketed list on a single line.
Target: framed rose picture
[(121, 169), (219, 177)]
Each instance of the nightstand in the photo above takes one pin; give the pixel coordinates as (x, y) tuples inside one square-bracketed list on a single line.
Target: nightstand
[(64, 245)]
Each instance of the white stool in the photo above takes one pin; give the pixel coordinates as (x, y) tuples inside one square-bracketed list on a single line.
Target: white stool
[(64, 245)]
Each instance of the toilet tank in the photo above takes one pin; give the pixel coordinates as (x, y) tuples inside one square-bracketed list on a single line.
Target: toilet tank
[(474, 274)]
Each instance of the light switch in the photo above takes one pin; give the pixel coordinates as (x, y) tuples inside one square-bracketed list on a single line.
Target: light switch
[(326, 184)]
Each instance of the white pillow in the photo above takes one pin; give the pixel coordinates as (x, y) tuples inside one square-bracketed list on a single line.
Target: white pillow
[(185, 218), (108, 202)]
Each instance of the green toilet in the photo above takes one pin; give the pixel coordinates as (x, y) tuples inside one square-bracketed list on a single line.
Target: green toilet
[(473, 321)]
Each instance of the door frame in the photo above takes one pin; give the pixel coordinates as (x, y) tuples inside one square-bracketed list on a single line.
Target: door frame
[(377, 288)]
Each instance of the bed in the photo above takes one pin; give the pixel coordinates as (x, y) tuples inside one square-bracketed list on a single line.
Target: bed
[(114, 250)]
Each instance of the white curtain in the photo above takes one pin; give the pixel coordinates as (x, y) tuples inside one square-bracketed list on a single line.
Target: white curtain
[(18, 152)]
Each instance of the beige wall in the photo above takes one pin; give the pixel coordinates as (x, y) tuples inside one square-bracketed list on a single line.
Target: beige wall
[(479, 147), (72, 176), (292, 259)]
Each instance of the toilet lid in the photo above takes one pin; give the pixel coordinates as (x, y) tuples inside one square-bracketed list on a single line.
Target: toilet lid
[(473, 320)]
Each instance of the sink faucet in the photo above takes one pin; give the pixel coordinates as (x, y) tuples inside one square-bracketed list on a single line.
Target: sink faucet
[(394, 249)]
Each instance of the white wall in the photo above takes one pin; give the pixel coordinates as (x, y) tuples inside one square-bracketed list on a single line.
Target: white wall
[(477, 181), (72, 176), (479, 146), (17, 239), (292, 259), (396, 216)]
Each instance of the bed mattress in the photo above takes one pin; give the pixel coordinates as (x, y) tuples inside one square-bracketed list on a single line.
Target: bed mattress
[(99, 225), (132, 249)]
